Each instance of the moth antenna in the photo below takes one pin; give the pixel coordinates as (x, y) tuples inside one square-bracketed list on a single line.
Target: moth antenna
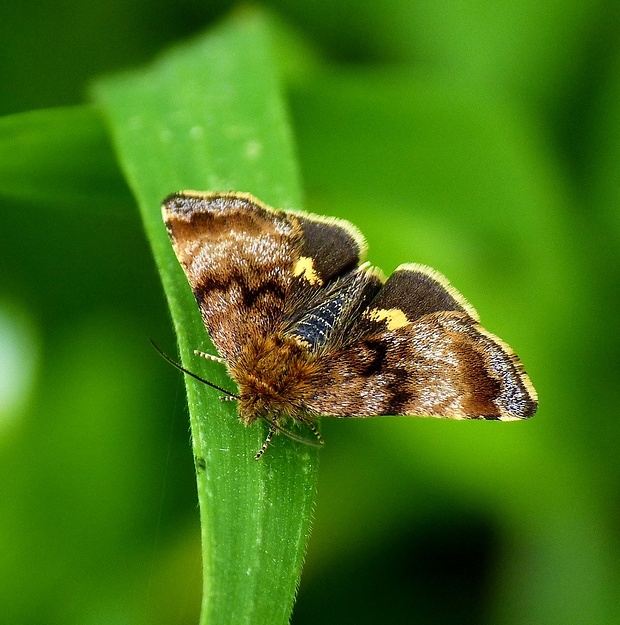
[(228, 398), (210, 357), (263, 449), (192, 374)]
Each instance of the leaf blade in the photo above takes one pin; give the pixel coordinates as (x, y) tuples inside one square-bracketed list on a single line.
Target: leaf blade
[(209, 116)]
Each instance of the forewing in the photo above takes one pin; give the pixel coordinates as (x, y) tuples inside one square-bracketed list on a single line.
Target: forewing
[(238, 256), (247, 263), (330, 247), (419, 350)]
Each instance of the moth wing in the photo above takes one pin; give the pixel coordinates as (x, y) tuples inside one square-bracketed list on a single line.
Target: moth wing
[(410, 293), (419, 350), (245, 261), (330, 248)]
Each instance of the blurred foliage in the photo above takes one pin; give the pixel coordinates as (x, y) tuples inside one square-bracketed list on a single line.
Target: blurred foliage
[(479, 138)]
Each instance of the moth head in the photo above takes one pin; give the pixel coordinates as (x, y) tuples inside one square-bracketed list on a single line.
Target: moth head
[(271, 398), (274, 376)]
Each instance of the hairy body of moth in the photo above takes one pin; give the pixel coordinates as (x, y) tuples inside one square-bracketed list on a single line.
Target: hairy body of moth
[(276, 379)]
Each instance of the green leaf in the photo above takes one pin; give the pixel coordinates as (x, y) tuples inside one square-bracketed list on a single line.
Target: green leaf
[(208, 115), (60, 156)]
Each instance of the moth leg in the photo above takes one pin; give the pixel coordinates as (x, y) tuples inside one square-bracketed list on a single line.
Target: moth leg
[(263, 449), (209, 357), (315, 432)]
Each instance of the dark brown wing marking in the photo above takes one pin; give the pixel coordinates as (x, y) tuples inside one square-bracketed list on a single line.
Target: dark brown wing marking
[(335, 245), (411, 292), (331, 247)]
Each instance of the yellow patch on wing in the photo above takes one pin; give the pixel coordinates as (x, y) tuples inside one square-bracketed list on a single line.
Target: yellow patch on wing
[(394, 317), (305, 267)]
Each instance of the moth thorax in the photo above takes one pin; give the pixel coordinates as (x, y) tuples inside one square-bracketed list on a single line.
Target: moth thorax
[(274, 376)]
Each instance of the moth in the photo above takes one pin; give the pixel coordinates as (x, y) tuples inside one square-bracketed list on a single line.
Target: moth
[(306, 328)]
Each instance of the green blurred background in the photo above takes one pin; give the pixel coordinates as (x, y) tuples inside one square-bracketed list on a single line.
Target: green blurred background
[(481, 138)]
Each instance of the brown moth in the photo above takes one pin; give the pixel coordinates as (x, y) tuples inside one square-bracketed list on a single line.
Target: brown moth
[(305, 330)]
